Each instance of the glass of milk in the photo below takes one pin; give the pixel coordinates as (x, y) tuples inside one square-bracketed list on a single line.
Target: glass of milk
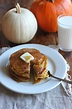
[(65, 33)]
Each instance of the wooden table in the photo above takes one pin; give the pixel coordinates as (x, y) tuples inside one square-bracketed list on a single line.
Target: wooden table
[(41, 38)]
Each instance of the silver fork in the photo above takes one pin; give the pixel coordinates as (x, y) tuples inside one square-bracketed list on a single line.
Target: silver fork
[(64, 80)]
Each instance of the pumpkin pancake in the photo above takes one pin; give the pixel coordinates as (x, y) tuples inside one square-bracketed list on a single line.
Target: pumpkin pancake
[(40, 71), (17, 77), (20, 70)]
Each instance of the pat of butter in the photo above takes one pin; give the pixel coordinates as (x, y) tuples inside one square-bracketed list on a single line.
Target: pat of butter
[(27, 57)]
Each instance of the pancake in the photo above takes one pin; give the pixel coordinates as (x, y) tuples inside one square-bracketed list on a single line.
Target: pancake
[(40, 71), (18, 78), (38, 78), (20, 70)]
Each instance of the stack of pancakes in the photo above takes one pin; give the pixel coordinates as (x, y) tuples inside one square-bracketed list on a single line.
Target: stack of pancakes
[(20, 70)]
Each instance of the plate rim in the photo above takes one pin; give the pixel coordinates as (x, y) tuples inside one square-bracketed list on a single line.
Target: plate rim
[(38, 45)]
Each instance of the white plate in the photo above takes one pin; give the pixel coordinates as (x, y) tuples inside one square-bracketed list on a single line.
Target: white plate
[(56, 65)]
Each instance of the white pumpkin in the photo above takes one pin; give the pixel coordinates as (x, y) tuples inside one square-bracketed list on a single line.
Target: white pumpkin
[(19, 25)]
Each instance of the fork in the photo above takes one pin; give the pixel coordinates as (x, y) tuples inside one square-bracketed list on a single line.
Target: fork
[(64, 80)]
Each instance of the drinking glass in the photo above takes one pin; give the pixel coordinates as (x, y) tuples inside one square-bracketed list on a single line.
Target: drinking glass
[(65, 33)]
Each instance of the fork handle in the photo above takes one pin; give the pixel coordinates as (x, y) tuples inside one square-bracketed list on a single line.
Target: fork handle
[(64, 80)]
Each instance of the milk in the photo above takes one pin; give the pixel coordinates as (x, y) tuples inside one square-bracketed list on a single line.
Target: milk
[(65, 33)]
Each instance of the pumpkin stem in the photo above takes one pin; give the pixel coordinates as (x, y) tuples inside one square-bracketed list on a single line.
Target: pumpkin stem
[(51, 0), (18, 8)]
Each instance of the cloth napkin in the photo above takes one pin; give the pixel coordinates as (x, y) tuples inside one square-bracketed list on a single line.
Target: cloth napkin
[(57, 98)]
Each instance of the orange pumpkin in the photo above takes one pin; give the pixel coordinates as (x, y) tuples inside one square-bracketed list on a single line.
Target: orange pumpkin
[(47, 11)]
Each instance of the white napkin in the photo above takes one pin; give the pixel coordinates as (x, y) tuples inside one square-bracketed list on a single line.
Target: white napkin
[(67, 87), (3, 49)]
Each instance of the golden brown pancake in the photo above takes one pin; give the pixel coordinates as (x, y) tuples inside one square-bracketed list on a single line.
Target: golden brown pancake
[(20, 70), (40, 71), (17, 77)]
